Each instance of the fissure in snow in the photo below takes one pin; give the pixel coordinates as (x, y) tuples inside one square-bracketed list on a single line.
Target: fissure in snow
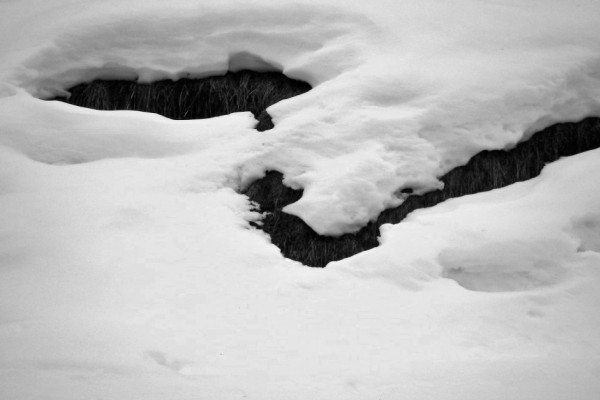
[(186, 99), (487, 170)]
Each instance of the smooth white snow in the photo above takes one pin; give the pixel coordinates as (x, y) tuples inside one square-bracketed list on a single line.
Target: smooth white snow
[(127, 265)]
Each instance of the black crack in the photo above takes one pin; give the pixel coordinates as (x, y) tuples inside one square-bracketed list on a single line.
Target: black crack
[(192, 98), (485, 171)]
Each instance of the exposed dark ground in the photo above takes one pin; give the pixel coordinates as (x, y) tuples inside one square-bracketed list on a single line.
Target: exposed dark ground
[(254, 91), (485, 171), (192, 98)]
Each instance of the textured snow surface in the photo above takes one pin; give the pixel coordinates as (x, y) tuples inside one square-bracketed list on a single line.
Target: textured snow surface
[(128, 269)]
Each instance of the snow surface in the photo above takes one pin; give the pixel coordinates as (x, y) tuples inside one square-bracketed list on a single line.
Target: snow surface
[(128, 269)]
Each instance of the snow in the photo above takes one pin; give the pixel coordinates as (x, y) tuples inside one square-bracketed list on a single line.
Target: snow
[(128, 268)]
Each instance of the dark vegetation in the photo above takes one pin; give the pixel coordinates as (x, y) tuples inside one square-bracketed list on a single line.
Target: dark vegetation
[(192, 98), (485, 171), (254, 91)]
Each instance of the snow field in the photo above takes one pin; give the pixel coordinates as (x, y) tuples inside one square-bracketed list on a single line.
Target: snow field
[(127, 265)]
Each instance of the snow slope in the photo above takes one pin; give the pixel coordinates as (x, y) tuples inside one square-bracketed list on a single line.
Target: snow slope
[(127, 265)]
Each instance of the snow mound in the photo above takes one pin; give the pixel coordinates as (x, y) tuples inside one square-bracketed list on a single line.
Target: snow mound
[(58, 133), (313, 46)]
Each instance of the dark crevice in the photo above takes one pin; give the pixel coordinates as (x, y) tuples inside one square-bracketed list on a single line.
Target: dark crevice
[(192, 98), (485, 171), (255, 91)]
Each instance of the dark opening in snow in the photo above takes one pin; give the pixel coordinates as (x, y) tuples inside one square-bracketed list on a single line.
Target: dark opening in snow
[(485, 171), (192, 98)]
